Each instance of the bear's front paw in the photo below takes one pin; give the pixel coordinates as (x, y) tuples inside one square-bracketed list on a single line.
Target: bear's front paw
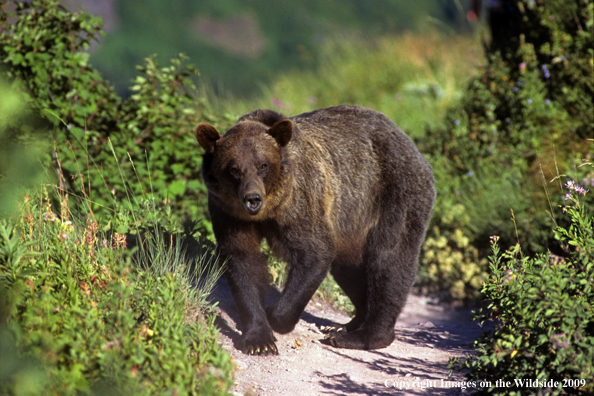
[(259, 344)]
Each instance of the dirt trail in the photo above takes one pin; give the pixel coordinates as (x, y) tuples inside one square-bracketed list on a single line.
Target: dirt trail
[(427, 335)]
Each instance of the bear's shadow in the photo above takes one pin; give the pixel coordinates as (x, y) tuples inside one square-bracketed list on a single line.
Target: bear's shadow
[(221, 295)]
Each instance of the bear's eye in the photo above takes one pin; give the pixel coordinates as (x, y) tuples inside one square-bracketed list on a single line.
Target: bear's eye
[(263, 167), (235, 172)]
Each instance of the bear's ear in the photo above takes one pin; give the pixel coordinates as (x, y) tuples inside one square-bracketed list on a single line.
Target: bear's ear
[(207, 136), (282, 132)]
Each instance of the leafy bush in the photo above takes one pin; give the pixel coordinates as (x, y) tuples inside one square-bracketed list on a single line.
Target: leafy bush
[(525, 115), (449, 262), (536, 88), (97, 318), (44, 55), (543, 312), (469, 208), (18, 154), (81, 314)]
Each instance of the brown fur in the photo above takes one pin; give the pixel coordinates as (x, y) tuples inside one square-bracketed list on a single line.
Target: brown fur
[(339, 189)]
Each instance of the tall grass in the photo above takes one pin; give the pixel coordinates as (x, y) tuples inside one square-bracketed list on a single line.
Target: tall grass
[(99, 310), (412, 78)]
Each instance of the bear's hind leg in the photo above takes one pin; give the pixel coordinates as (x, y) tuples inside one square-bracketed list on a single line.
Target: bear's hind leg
[(352, 279), (390, 259)]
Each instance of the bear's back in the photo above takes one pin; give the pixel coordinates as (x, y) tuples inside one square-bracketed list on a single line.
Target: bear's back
[(357, 142), (360, 162)]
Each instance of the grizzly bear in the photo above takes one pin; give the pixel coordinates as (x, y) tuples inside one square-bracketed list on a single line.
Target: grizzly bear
[(341, 189)]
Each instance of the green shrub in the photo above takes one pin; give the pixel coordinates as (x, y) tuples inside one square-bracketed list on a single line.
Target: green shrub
[(82, 314), (19, 154), (97, 318), (535, 92), (525, 115), (470, 208), (542, 306), (44, 56), (449, 262)]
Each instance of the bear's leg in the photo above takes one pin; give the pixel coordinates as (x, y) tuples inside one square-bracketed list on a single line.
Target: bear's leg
[(249, 292), (308, 270), (238, 244), (390, 257), (352, 279)]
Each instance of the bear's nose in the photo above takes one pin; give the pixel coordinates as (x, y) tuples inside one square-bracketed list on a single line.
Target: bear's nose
[(252, 202)]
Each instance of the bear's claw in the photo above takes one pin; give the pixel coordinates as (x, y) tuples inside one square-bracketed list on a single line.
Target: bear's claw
[(269, 349), (333, 329)]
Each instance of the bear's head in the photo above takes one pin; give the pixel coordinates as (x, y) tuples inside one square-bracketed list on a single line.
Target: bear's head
[(245, 167)]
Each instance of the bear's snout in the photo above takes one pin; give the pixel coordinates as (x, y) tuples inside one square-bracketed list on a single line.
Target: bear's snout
[(252, 202)]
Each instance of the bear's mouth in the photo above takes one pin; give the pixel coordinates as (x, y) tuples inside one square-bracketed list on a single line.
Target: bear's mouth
[(252, 203)]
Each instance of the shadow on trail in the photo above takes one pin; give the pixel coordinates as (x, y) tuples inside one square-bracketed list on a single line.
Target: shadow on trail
[(342, 384), (453, 332), (460, 338), (453, 327), (221, 294), (410, 375)]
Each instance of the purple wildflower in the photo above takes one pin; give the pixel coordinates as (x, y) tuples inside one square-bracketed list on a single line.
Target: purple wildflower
[(580, 190), (572, 186)]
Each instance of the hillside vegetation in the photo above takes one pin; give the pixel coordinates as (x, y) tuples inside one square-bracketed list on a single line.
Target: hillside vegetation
[(508, 131), (240, 45)]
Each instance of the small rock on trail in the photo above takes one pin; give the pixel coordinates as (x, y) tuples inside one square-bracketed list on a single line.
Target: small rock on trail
[(427, 336)]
